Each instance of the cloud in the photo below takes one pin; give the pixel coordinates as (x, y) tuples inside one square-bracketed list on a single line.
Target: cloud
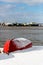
[(8, 13), (10, 9), (5, 9), (11, 12), (21, 17), (24, 1)]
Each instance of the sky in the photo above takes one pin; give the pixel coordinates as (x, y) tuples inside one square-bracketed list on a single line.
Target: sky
[(21, 11)]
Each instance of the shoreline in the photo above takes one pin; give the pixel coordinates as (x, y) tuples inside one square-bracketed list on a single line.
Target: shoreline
[(20, 27)]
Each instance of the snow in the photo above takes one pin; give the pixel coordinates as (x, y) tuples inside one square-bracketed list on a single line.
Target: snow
[(31, 56)]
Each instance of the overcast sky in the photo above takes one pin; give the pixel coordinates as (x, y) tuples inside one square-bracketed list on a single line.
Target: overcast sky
[(21, 11)]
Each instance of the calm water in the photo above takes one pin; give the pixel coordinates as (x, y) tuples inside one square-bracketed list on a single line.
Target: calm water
[(35, 35)]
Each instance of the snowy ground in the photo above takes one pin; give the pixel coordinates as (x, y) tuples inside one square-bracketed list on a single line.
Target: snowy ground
[(31, 56)]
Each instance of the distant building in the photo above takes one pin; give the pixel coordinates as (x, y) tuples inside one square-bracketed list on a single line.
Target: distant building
[(33, 24), (8, 24), (40, 24)]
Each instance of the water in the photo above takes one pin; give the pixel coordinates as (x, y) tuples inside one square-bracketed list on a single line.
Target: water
[(35, 35)]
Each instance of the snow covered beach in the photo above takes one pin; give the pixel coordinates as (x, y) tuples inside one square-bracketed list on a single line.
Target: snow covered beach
[(30, 56)]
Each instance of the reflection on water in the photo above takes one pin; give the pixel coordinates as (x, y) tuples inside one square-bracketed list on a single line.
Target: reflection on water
[(36, 36)]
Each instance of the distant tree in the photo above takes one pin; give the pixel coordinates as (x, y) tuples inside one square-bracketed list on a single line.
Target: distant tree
[(3, 24), (0, 23)]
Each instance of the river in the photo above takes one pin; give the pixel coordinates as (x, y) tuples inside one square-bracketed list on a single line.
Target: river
[(35, 34)]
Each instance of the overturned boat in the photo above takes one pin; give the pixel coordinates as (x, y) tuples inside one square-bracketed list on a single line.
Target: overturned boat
[(16, 44)]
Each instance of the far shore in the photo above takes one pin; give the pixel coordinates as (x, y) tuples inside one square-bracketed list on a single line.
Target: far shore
[(20, 27)]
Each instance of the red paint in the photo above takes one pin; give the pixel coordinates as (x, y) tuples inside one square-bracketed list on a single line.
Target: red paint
[(9, 46), (27, 46)]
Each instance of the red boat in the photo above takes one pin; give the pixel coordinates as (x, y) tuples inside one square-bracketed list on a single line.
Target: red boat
[(16, 44)]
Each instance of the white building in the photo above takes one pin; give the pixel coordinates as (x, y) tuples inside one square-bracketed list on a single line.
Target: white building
[(8, 23)]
